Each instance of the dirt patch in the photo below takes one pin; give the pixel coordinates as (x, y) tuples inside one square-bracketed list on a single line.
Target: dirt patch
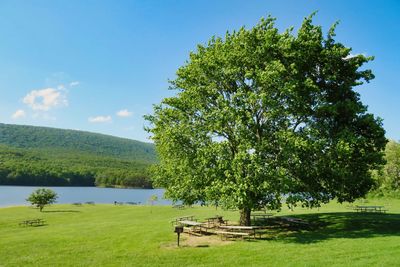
[(197, 241)]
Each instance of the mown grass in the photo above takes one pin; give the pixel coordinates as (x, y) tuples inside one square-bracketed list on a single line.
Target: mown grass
[(108, 235)]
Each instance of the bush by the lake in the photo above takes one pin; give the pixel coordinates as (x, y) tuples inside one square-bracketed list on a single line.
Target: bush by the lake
[(42, 197)]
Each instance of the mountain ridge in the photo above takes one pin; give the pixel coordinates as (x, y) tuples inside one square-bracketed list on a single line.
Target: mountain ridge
[(27, 136), (44, 156)]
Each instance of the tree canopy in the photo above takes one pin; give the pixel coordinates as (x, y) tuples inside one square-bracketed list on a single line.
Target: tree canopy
[(42, 197), (261, 116)]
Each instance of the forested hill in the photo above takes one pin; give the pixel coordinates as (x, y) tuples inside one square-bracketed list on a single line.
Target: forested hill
[(47, 156), (23, 136)]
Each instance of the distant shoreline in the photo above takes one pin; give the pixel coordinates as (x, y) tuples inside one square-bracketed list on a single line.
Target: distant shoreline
[(98, 186)]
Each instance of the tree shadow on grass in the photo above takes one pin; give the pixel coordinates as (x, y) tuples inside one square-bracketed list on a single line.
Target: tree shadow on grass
[(45, 211), (39, 225), (324, 226)]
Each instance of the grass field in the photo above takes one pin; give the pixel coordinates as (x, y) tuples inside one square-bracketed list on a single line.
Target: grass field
[(108, 235)]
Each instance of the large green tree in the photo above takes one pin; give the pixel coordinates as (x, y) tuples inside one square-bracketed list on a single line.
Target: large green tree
[(262, 116)]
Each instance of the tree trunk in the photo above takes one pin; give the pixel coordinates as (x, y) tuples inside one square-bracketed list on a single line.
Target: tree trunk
[(245, 217)]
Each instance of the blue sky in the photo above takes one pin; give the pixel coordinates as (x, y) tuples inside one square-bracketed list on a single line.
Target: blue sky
[(100, 65)]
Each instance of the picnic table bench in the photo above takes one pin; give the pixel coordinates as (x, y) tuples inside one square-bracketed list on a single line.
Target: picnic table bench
[(237, 230), (33, 222), (228, 234), (376, 209)]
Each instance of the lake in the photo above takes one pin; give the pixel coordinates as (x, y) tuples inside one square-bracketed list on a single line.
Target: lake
[(16, 195)]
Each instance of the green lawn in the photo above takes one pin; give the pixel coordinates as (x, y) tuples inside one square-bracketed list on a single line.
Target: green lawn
[(107, 235)]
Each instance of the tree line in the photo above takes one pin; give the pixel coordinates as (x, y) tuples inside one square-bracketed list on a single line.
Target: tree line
[(69, 168), (388, 178)]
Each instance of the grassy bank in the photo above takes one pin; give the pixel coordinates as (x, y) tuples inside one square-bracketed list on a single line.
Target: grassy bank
[(108, 235)]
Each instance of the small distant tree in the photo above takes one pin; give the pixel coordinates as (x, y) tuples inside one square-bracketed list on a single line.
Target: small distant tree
[(152, 199), (42, 197)]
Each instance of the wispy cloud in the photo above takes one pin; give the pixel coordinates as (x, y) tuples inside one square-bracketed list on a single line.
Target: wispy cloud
[(100, 119), (124, 113), (74, 83), (45, 99), (20, 113)]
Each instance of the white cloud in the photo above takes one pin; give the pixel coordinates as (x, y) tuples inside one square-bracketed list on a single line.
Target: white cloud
[(45, 99), (75, 83), (100, 119), (124, 113), (20, 113)]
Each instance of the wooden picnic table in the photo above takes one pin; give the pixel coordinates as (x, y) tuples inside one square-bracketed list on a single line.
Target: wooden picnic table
[(190, 223), (377, 209), (32, 222), (193, 226), (238, 230), (215, 221), (183, 218)]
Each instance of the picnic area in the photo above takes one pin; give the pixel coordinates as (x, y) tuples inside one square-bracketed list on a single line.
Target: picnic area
[(132, 235), (262, 224)]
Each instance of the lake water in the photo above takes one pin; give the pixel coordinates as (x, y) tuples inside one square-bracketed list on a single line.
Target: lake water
[(16, 195)]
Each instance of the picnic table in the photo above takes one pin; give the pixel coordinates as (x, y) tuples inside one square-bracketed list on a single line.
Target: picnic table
[(215, 221), (377, 209), (192, 226), (190, 223), (237, 230), (183, 218), (33, 222)]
